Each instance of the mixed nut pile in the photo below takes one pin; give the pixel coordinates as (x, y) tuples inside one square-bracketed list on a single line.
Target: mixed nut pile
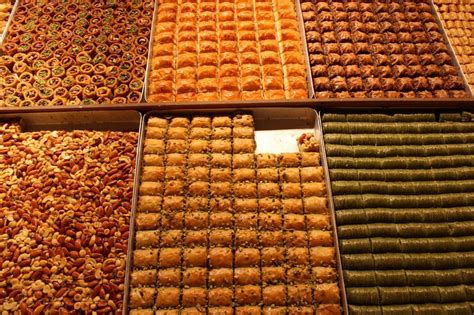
[(65, 204)]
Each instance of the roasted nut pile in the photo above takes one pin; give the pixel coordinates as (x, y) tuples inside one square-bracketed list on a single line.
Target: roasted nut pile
[(222, 230), (65, 203)]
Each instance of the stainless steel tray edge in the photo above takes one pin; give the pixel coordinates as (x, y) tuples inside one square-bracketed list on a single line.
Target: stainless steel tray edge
[(452, 52), (9, 21), (150, 55), (131, 230), (304, 43), (342, 287)]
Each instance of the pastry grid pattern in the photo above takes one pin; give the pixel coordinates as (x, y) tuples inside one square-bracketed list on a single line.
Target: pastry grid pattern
[(222, 230), (378, 49), (227, 50), (458, 20)]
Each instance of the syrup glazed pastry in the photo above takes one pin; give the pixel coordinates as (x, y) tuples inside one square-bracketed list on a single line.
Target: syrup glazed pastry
[(376, 49), (6, 7), (226, 50), (222, 230), (76, 52), (458, 20)]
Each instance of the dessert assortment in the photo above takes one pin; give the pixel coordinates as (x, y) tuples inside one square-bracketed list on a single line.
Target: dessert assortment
[(76, 53), (222, 230), (226, 50), (6, 7), (403, 188), (378, 49), (65, 206), (458, 21)]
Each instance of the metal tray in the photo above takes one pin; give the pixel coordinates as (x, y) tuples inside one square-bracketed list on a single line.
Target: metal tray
[(3, 35), (452, 52), (446, 40), (88, 120), (281, 125), (175, 104)]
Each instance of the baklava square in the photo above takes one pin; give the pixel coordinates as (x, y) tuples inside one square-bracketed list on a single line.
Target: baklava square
[(267, 160), (222, 121), (195, 257), (220, 257), (221, 133), (196, 220), (221, 160), (198, 189), (140, 278), (327, 293), (220, 237), (274, 295), (299, 294), (245, 276), (200, 133), (269, 204), (221, 146), (141, 297), (244, 175), (292, 205), (194, 297), (175, 172), (220, 220), (246, 220), (154, 146), (143, 258), (270, 221), (245, 205), (220, 297), (317, 205), (221, 189), (176, 146), (201, 121), (273, 274), (176, 159), (318, 222), (314, 189), (169, 277), (220, 204), (198, 159), (144, 239), (246, 238), (198, 173), (171, 238), (312, 174), (173, 220), (243, 132), (151, 188), (157, 122), (153, 173), (173, 203), (271, 190), (195, 238), (220, 277), (167, 297), (273, 256), (194, 276), (290, 175), (174, 188), (243, 161), (290, 160), (320, 238), (152, 160), (322, 256), (179, 122), (291, 190), (147, 221), (296, 238), (248, 295), (245, 190), (177, 133), (248, 310), (271, 238), (294, 221), (247, 257), (149, 204), (243, 145), (298, 256), (267, 174), (221, 175), (169, 257), (198, 146)]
